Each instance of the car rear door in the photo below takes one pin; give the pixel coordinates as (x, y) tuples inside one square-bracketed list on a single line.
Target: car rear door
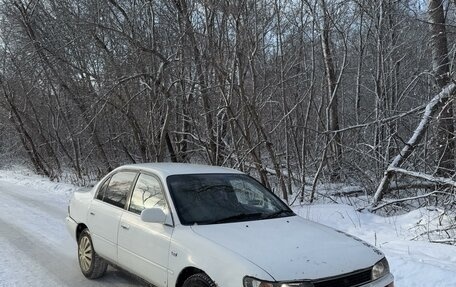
[(143, 247), (105, 212)]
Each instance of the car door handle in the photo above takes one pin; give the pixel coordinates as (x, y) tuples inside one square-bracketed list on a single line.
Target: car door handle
[(125, 226)]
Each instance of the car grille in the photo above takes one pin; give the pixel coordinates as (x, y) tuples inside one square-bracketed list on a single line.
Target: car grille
[(349, 280)]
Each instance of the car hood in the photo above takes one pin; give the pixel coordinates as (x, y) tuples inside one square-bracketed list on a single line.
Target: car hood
[(292, 248)]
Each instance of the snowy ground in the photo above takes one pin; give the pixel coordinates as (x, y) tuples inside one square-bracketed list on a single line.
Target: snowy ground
[(36, 249), (413, 263)]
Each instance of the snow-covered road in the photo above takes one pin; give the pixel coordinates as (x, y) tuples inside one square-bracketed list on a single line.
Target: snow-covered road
[(35, 247)]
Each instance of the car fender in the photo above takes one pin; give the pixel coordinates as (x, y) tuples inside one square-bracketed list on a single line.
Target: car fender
[(188, 249), (79, 206)]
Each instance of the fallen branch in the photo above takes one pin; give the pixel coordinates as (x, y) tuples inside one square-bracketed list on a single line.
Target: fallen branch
[(431, 108), (401, 185), (427, 177), (402, 200), (437, 230), (445, 241)]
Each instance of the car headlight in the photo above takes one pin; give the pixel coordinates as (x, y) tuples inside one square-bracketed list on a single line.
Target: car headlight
[(380, 269), (252, 282)]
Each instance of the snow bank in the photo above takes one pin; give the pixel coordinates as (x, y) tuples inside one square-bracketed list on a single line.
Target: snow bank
[(413, 261), (25, 177)]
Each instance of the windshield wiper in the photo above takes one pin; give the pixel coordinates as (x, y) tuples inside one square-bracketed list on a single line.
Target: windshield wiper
[(240, 217), (279, 214)]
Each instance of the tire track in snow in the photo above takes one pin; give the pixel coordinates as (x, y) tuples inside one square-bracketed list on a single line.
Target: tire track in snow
[(39, 259)]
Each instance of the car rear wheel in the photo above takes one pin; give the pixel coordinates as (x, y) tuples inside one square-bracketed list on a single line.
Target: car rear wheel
[(199, 280), (92, 265)]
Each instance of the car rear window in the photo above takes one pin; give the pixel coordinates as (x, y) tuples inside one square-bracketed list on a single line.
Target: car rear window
[(118, 188)]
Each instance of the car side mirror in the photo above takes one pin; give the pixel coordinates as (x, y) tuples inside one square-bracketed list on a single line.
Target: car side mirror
[(154, 215)]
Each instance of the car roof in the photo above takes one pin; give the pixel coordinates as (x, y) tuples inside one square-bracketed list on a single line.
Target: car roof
[(170, 168)]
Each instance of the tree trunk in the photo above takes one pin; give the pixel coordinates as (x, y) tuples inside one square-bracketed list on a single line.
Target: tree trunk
[(332, 116), (441, 65)]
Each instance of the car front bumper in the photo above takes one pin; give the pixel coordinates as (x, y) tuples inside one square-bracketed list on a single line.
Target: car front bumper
[(385, 281)]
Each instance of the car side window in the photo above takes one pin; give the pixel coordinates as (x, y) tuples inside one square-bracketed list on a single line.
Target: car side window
[(147, 193), (102, 189), (118, 188)]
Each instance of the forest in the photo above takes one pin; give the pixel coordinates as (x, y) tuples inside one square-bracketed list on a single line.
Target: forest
[(296, 93)]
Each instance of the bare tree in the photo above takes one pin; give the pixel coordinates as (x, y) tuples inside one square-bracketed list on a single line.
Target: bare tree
[(445, 135)]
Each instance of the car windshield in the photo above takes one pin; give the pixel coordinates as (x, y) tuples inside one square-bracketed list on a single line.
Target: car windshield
[(222, 198)]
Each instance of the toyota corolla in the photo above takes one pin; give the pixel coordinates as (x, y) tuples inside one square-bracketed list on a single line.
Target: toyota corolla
[(187, 225)]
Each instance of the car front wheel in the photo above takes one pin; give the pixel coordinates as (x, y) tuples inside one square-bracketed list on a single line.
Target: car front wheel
[(92, 265), (199, 280)]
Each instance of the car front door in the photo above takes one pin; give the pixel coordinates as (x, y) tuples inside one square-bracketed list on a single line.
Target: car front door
[(143, 247), (105, 212)]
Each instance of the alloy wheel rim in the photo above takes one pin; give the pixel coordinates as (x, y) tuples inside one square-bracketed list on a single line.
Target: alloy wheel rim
[(85, 253)]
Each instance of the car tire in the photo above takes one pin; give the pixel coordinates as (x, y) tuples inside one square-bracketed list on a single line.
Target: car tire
[(92, 265), (199, 280)]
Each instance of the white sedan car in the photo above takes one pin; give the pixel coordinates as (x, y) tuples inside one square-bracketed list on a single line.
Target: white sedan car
[(184, 225)]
